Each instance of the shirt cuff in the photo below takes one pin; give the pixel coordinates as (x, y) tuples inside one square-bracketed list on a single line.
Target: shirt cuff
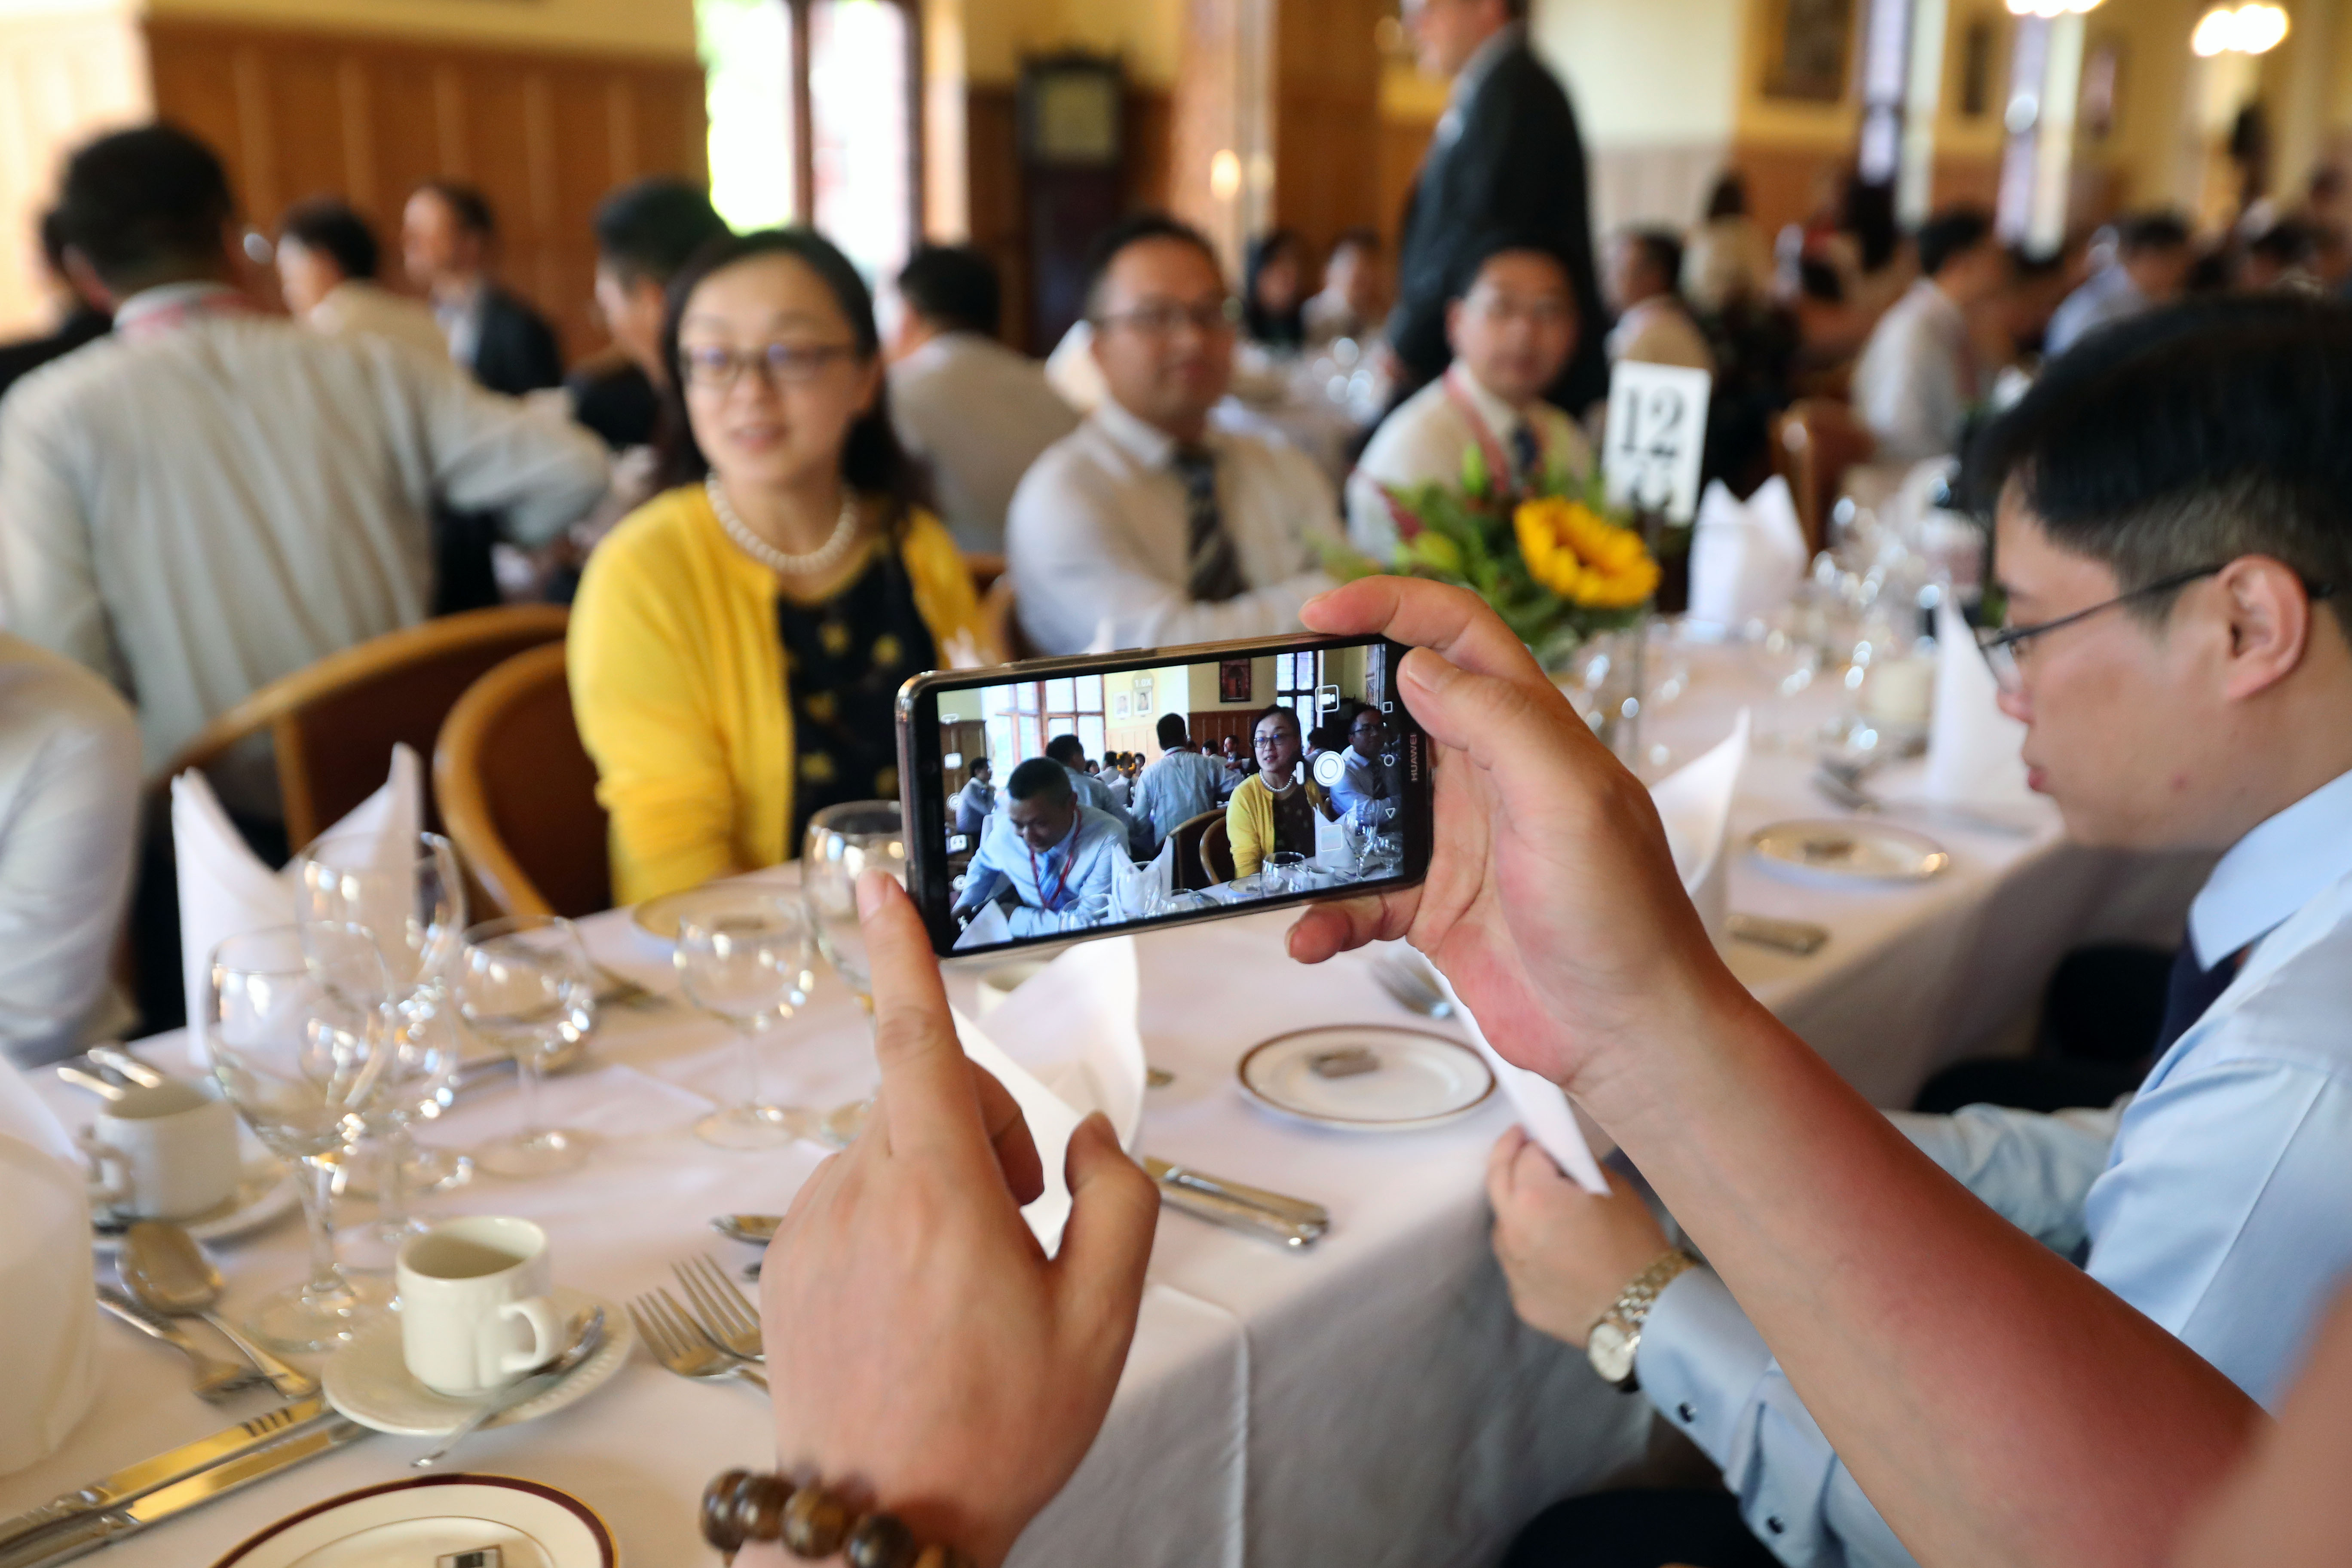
[(1700, 1360)]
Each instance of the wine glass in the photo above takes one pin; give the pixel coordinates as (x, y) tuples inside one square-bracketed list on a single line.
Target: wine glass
[(295, 1032), (743, 955), (843, 843), (410, 894), (524, 984)]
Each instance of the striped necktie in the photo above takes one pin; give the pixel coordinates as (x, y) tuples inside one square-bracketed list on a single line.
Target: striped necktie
[(1527, 453), (1214, 573)]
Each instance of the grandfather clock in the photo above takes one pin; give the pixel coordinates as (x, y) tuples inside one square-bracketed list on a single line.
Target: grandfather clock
[(1071, 162)]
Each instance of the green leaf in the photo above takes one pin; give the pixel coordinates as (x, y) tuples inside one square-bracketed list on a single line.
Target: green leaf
[(1474, 478)]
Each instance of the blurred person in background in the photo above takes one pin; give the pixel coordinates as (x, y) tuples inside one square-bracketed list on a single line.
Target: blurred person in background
[(1357, 291), (447, 236), (646, 233), (80, 319), (1178, 786), (738, 643), (975, 800), (1921, 372), (1653, 326), (973, 412), (1273, 293), (1728, 263), (2279, 258), (327, 260), (2149, 267)]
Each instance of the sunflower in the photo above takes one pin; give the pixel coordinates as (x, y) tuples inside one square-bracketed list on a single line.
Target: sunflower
[(1580, 556)]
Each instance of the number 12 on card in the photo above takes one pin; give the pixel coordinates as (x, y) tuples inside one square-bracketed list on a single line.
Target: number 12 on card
[(1656, 436)]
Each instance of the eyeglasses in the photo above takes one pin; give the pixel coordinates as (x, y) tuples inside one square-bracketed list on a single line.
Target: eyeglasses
[(1505, 309), (2005, 650), (782, 364), (1165, 320)]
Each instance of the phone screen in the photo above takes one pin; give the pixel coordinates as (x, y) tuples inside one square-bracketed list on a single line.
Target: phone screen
[(1048, 800)]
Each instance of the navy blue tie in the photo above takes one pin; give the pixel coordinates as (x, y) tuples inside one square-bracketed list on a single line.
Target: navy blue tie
[(2189, 991), (1527, 452)]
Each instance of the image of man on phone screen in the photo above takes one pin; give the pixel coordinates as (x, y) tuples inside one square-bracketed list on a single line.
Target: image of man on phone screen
[(1047, 860)]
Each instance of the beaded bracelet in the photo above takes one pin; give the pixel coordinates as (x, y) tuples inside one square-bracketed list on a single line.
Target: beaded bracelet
[(743, 1506)]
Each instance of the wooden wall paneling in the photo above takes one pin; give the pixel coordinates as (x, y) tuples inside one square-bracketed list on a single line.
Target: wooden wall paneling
[(997, 216), (1151, 120), (1397, 164), (1326, 91), (302, 128)]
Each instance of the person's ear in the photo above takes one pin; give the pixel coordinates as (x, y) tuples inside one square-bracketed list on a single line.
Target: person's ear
[(1452, 325), (869, 386), (86, 282), (2268, 612)]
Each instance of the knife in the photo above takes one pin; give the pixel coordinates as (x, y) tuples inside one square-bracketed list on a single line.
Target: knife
[(1235, 1214), (1312, 1218), (135, 1481), (88, 1534)]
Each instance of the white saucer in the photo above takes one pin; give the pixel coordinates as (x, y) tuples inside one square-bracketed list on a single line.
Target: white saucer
[(1422, 1080), (427, 1518), (368, 1381), (263, 1195), (1833, 853)]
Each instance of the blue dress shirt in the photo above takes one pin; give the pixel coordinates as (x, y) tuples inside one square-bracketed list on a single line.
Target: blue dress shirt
[(1357, 792), (2217, 1200), (1176, 788), (2108, 295), (1046, 883)]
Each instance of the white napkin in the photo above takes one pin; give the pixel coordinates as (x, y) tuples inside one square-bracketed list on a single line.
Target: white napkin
[(226, 890), (1064, 1045), (1695, 803), (1542, 1105), (987, 928), (48, 1318), (1745, 557), (1973, 748), (1135, 890)]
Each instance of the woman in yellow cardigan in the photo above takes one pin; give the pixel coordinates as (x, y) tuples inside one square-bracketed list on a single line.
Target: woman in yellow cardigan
[(1275, 808), (738, 643)]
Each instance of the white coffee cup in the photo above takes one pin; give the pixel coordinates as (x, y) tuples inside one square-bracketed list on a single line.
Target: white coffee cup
[(475, 1312), (164, 1153)]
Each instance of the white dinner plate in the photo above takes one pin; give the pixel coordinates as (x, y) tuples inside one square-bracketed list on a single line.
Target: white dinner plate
[(263, 1196), (431, 1518), (368, 1381), (1421, 1079), (1842, 853), (657, 917)]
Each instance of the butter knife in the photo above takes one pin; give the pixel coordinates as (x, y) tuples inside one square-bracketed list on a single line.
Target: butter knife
[(587, 1339), (134, 1481), (1294, 1222), (88, 1534)]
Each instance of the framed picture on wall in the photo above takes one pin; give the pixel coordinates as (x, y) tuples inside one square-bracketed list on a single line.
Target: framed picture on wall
[(1122, 706), (1808, 49), (1234, 682)]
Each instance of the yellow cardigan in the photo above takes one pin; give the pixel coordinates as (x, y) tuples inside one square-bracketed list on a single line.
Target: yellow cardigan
[(1249, 821), (677, 686)]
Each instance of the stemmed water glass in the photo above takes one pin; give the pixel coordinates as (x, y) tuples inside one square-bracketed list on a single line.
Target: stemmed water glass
[(409, 894), (298, 1030), (844, 842), (743, 955), (525, 984)]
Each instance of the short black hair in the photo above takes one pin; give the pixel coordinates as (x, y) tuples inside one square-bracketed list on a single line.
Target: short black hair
[(1040, 776), (2147, 231), (982, 765), (1135, 229), (2189, 436), (141, 199), (2287, 243), (1066, 749), (466, 203), (1274, 710), (1504, 242), (954, 288), (1950, 233), (1171, 731), (650, 227), (1663, 249), (1728, 197), (329, 225)]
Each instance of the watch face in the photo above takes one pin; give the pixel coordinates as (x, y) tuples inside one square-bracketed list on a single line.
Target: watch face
[(1611, 1350)]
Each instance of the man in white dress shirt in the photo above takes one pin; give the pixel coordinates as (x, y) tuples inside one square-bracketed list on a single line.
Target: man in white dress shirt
[(1513, 328), (1179, 785), (327, 263), (2174, 541), (1654, 327), (2151, 264), (1144, 526), (974, 412), (1919, 376), (1047, 857)]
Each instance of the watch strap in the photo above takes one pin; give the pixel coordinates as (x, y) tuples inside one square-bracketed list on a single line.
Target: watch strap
[(1632, 1308)]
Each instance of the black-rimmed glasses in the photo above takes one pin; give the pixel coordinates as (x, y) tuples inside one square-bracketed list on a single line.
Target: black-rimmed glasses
[(1165, 319), (2003, 649), (715, 369)]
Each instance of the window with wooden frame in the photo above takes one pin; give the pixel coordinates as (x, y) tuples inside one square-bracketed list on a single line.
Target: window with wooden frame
[(1023, 719)]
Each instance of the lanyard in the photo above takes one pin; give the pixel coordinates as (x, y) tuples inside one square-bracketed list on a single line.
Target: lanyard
[(154, 320), (1490, 445)]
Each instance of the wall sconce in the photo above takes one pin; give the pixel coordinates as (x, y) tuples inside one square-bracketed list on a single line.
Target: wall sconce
[(1224, 174), (2049, 10), (2252, 28)]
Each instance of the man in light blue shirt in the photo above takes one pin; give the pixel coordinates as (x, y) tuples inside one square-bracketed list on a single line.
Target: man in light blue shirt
[(1179, 785), (2150, 267), (1365, 794), (2175, 543), (1051, 856), (1092, 792)]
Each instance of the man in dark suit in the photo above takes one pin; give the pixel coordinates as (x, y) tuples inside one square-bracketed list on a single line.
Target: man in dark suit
[(446, 235), (1507, 157), (81, 322)]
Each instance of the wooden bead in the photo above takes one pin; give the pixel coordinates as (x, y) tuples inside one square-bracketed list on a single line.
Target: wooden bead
[(942, 1557), (814, 1523), (743, 1506), (880, 1540)]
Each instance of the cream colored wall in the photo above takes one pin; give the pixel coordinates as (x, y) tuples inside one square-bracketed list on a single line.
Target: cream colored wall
[(1147, 34), (1205, 687), (660, 27), (65, 76)]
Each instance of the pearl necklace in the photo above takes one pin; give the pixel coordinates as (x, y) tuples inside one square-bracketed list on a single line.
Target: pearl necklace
[(824, 558)]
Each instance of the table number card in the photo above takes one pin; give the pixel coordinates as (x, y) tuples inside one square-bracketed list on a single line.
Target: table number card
[(1656, 435)]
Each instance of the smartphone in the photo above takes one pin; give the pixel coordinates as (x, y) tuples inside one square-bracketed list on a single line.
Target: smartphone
[(1011, 842)]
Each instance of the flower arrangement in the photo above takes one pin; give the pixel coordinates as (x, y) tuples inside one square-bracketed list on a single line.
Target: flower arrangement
[(1558, 564)]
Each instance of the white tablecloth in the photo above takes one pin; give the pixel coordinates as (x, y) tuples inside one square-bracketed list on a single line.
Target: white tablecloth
[(1369, 1402)]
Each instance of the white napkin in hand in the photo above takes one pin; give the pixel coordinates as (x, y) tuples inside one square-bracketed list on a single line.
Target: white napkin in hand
[(1973, 748), (1542, 1105), (48, 1318), (1695, 803), (1745, 557), (1135, 891), (987, 928), (226, 890)]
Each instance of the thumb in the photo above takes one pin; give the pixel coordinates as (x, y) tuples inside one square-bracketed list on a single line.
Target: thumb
[(1114, 1209)]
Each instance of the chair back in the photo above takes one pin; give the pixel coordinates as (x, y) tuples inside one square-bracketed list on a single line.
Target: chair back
[(1813, 445), (519, 792), (1216, 850), (985, 569), (999, 615), (334, 724), (1187, 871)]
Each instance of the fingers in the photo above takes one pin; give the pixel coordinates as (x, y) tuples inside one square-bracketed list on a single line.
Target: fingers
[(1500, 1159), (1344, 924), (1467, 711), (1114, 1209), (1533, 1166), (1008, 1133), (1454, 621), (927, 1099)]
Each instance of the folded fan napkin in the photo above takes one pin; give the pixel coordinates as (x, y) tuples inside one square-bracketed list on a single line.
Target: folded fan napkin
[(987, 928), (1974, 750), (1745, 557), (1695, 803), (1135, 891), (226, 890), (49, 1366)]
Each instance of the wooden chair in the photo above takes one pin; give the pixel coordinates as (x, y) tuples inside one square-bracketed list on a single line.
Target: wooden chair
[(1187, 871), (334, 724), (1813, 445), (1003, 624), (986, 570), (1217, 850), (519, 792)]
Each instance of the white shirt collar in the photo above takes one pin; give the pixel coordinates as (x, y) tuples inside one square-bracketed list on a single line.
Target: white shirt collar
[(1500, 416), (2275, 869), (1146, 443), (168, 296)]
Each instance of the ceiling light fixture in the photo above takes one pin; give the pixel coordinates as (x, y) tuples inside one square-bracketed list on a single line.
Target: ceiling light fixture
[(2252, 28), (2050, 10)]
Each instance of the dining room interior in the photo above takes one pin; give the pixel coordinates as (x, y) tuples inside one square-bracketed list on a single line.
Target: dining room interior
[(1465, 783)]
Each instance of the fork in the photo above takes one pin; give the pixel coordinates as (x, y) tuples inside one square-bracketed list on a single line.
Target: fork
[(678, 1345), (719, 1310), (1410, 989), (215, 1379)]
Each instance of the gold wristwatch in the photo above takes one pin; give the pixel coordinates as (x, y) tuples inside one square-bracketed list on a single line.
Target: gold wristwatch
[(1613, 1339)]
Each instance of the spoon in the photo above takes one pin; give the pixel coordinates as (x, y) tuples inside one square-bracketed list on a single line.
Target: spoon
[(587, 1339), (166, 1270)]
